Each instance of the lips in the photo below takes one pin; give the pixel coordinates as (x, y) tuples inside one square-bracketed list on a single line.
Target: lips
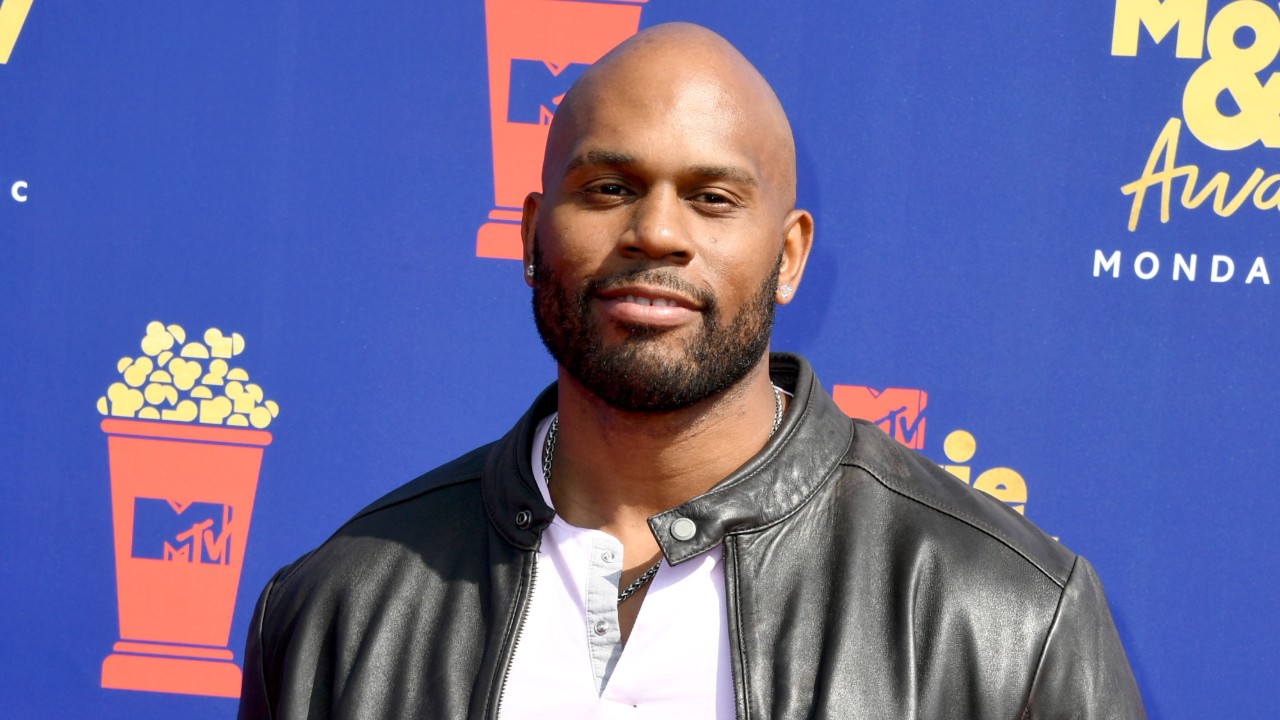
[(648, 306)]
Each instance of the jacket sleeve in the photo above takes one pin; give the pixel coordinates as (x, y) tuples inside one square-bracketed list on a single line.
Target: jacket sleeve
[(1083, 673), (255, 702)]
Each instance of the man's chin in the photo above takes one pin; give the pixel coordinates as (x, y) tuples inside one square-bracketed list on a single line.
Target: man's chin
[(647, 338), (650, 380)]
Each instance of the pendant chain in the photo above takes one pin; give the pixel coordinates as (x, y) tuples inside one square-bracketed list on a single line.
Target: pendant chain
[(548, 452)]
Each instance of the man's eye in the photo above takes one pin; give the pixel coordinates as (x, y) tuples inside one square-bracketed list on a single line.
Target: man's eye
[(608, 189), (713, 198)]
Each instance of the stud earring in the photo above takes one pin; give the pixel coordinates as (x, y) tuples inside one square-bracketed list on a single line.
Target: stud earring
[(785, 291), (528, 270)]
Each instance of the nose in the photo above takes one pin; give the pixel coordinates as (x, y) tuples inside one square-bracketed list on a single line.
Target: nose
[(658, 229)]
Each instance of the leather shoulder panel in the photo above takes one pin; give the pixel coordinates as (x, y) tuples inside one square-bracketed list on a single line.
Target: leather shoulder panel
[(465, 468), (914, 476), (461, 470)]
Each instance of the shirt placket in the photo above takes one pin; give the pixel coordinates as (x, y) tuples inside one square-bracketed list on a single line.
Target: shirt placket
[(604, 636)]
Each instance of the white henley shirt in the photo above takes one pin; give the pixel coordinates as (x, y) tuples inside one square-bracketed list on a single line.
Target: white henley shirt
[(569, 661)]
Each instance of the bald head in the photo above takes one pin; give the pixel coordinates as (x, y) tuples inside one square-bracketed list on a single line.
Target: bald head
[(689, 74)]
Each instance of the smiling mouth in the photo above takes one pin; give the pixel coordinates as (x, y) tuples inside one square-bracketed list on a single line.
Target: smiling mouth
[(655, 294), (655, 308)]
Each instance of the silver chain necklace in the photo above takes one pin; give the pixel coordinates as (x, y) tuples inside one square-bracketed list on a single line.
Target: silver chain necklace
[(548, 451)]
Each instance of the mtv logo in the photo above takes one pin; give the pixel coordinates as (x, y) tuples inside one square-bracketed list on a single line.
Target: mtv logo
[(195, 532), (898, 411), (537, 87)]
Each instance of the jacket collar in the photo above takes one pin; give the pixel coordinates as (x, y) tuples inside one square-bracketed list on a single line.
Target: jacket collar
[(801, 455)]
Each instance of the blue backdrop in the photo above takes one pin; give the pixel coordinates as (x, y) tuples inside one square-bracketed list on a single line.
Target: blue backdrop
[(314, 177)]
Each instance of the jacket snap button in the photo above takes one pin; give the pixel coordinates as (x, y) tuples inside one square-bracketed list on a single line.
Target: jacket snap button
[(683, 529), (608, 556), (523, 518), (601, 627)]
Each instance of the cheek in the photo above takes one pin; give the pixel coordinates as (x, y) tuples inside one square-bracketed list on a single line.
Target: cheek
[(739, 275), (579, 245)]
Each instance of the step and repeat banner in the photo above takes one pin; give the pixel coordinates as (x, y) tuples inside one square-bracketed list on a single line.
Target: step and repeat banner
[(256, 269)]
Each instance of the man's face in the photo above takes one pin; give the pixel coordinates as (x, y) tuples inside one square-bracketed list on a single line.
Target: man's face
[(657, 252)]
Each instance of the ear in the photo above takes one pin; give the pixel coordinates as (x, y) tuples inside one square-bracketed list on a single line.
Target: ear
[(797, 240), (528, 229)]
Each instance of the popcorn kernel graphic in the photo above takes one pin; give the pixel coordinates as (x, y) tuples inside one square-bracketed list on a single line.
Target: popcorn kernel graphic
[(137, 372), (213, 412), (260, 417), (221, 346), (195, 350), (178, 387), (184, 412), (185, 372), (217, 371), (157, 393), (157, 339), (125, 401)]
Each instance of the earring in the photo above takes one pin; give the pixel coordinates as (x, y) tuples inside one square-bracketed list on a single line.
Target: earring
[(528, 270), (785, 291)]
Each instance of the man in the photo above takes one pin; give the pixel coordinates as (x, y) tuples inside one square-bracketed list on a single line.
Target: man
[(724, 541)]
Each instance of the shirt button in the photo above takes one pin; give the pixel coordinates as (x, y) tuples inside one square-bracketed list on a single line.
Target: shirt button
[(601, 627), (683, 529), (608, 556)]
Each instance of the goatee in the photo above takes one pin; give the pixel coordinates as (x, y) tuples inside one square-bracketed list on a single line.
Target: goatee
[(639, 374)]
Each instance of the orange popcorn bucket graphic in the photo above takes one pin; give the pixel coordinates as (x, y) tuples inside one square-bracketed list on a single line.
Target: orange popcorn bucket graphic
[(536, 49), (181, 497)]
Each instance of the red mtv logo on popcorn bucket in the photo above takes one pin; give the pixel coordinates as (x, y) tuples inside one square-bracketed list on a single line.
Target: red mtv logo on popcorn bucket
[(537, 48), (185, 439)]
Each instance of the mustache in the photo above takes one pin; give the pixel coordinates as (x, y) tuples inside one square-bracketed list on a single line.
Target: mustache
[(660, 277)]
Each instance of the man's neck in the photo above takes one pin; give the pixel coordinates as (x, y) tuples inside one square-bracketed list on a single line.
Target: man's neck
[(613, 469)]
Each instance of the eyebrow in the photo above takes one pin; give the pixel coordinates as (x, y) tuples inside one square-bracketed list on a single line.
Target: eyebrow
[(614, 158), (724, 172), (600, 157)]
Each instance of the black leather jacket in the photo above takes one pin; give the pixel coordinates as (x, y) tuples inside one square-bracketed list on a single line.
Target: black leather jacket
[(862, 581)]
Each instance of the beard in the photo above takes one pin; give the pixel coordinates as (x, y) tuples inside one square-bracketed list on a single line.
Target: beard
[(641, 373)]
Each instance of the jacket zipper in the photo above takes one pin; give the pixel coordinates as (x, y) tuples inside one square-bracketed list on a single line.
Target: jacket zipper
[(515, 643), (737, 672)]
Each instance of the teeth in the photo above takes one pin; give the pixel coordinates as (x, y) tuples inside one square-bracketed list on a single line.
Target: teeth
[(656, 302)]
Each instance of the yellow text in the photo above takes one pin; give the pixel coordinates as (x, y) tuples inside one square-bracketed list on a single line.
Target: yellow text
[(1163, 171)]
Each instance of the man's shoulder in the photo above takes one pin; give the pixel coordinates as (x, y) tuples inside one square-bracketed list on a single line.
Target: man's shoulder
[(945, 504), (461, 470), (407, 568), (407, 525)]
